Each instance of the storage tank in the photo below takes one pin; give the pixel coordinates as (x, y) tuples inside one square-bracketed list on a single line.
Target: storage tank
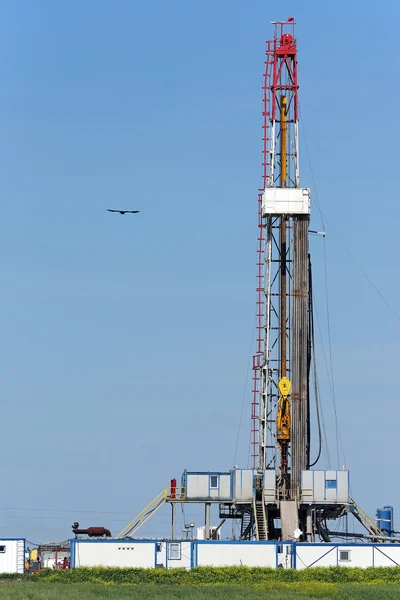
[(384, 520)]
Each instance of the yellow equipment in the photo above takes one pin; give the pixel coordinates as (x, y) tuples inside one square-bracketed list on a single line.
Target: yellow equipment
[(34, 554), (283, 414)]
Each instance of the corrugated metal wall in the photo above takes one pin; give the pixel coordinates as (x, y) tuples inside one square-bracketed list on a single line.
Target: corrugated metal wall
[(12, 556)]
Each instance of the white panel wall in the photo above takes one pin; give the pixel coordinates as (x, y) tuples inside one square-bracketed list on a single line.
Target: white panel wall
[(386, 555), (12, 560), (269, 486), (359, 555), (243, 485), (197, 486), (330, 493), (287, 201), (222, 554), (307, 555), (307, 486), (321, 486), (114, 553), (185, 560), (342, 486), (162, 555), (121, 553), (225, 486)]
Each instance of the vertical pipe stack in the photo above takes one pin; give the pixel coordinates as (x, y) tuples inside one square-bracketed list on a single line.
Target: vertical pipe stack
[(283, 273), (299, 399)]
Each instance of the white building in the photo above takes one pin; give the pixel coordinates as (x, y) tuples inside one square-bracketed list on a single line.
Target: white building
[(345, 555), (148, 554), (12, 555), (170, 554)]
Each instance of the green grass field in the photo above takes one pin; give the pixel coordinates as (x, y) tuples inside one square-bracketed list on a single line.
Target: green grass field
[(17, 590)]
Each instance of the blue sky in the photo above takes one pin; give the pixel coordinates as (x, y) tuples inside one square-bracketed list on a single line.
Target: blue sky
[(125, 340)]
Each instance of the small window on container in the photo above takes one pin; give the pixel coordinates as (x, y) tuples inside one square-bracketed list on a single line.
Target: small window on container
[(2, 549), (344, 555), (331, 484), (174, 551), (214, 482)]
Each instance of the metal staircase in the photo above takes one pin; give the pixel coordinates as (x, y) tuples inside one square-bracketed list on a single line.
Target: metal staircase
[(365, 520), (260, 520), (247, 525), (144, 515)]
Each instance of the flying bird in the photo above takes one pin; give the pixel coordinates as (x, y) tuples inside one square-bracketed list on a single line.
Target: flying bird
[(122, 212)]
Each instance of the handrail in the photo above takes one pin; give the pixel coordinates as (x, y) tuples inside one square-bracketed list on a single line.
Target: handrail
[(264, 516), (372, 526), (255, 518), (175, 494)]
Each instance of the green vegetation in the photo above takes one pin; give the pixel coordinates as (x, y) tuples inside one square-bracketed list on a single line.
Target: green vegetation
[(17, 590), (242, 576), (230, 583)]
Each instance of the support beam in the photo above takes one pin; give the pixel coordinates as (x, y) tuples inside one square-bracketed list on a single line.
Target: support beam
[(207, 520), (309, 531), (172, 520), (215, 532)]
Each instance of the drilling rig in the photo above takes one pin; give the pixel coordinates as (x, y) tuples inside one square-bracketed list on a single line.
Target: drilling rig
[(281, 497), (282, 362)]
